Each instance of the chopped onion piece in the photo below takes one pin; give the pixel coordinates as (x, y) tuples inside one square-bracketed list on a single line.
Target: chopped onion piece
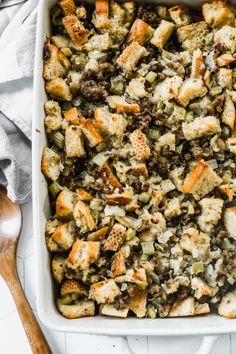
[(113, 210)]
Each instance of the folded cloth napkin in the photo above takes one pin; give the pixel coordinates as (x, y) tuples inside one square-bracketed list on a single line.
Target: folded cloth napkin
[(17, 38)]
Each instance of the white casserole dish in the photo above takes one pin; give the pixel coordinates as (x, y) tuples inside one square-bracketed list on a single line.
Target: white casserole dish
[(48, 314)]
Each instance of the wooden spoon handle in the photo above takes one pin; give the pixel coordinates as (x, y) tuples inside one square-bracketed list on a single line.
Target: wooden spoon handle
[(33, 331)]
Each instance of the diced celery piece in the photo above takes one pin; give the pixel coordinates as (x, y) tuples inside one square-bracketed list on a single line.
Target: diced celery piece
[(66, 300), (179, 113), (148, 248), (133, 242), (214, 91), (153, 134), (55, 188), (151, 312), (226, 244), (74, 296), (189, 117), (66, 51), (144, 197), (151, 77), (58, 138), (130, 233), (197, 267)]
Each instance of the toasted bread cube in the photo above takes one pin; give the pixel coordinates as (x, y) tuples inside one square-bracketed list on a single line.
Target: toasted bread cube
[(110, 310), (229, 113), (194, 36), (60, 41), (90, 132), (83, 217), (195, 242), (50, 227), (104, 291), (64, 236), (83, 195), (172, 209), (65, 203), (162, 33), (201, 309), (191, 88), (71, 116), (180, 15), (139, 143), (100, 42), (211, 213), (218, 14), (201, 180), (108, 176), (231, 145), (168, 89), (71, 286), (134, 275), (130, 56), (115, 238), (58, 267), (201, 126), (138, 170), (118, 264), (176, 176), (50, 164), (227, 307), (53, 117), (119, 103), (230, 221), (226, 36), (100, 18), (120, 19), (198, 66), (225, 59), (56, 64), (83, 254), (109, 123), (227, 190), (138, 302), (58, 89), (202, 288), (98, 235), (68, 6), (74, 141), (225, 78), (120, 199), (140, 32), (75, 29), (136, 88), (182, 308), (81, 309)]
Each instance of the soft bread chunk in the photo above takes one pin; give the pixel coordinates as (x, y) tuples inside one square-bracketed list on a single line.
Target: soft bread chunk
[(229, 113), (134, 275), (98, 235), (201, 288), (56, 64), (139, 143), (194, 36), (168, 89), (230, 221), (90, 132), (100, 19), (50, 227), (130, 56), (138, 302), (119, 103), (176, 176), (195, 242), (172, 208), (118, 264), (70, 286), (227, 307), (100, 42), (201, 309), (225, 78), (115, 238), (231, 144), (227, 37), (81, 309), (140, 32), (65, 203), (83, 254), (136, 88), (120, 199), (53, 117), (58, 267), (110, 310), (74, 142), (180, 15), (50, 164), (218, 14), (201, 126), (108, 176), (83, 195), (109, 123), (182, 308), (201, 180), (68, 6), (58, 89), (191, 88), (138, 170), (64, 236), (225, 59), (83, 217), (198, 66), (104, 291), (211, 213), (75, 29), (71, 116), (162, 33)]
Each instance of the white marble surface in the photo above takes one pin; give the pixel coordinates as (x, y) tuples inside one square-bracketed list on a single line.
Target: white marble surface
[(13, 339)]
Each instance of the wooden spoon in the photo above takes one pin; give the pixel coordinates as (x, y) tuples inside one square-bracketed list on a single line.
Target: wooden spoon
[(10, 226)]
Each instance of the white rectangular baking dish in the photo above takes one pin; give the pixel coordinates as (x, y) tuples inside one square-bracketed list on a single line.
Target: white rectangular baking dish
[(48, 314)]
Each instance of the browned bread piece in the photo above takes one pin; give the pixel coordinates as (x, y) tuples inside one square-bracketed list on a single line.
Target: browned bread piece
[(111, 310), (227, 307), (139, 143), (92, 135), (217, 13), (134, 275), (162, 33), (70, 286), (74, 141), (71, 116), (75, 29), (229, 112), (119, 198), (98, 235), (182, 308), (68, 6), (83, 254), (58, 267), (50, 164), (195, 242), (53, 117), (118, 264), (83, 195), (180, 15), (140, 32), (58, 89), (80, 309), (108, 176), (137, 303), (138, 170), (115, 238), (119, 103), (194, 36), (65, 203), (130, 56), (55, 64), (104, 291), (101, 14), (64, 236), (83, 217)]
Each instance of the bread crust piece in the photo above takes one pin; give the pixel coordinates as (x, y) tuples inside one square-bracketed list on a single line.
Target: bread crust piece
[(210, 214), (83, 195), (227, 307), (104, 291), (83, 217), (140, 32), (134, 275), (195, 242), (116, 238), (217, 14), (201, 126), (138, 302), (227, 37), (70, 286), (98, 235), (162, 33), (191, 88), (50, 164), (92, 135), (130, 56), (201, 180), (108, 176), (100, 19), (119, 103), (198, 66), (118, 264), (56, 64), (230, 221), (229, 113), (64, 236), (58, 89), (71, 116), (58, 268), (194, 36), (81, 309), (182, 308), (74, 142), (83, 254), (180, 15), (68, 6), (139, 143), (65, 203), (75, 29), (111, 310)]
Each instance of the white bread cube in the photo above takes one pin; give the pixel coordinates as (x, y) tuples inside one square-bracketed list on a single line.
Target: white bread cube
[(227, 37), (172, 208), (201, 126), (119, 103), (230, 221), (227, 306), (109, 123), (139, 143), (229, 113), (104, 291), (225, 78), (162, 33), (116, 238), (202, 288), (217, 13), (83, 217), (191, 88), (74, 142), (64, 236), (136, 88), (58, 89), (168, 89), (83, 254), (58, 267), (194, 36), (134, 275), (137, 303), (81, 309), (180, 15), (118, 264), (140, 32), (210, 214), (100, 42), (198, 66), (56, 65), (65, 203), (130, 56), (53, 117), (195, 242), (225, 59), (50, 164), (176, 176), (201, 180), (182, 308), (110, 310)]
